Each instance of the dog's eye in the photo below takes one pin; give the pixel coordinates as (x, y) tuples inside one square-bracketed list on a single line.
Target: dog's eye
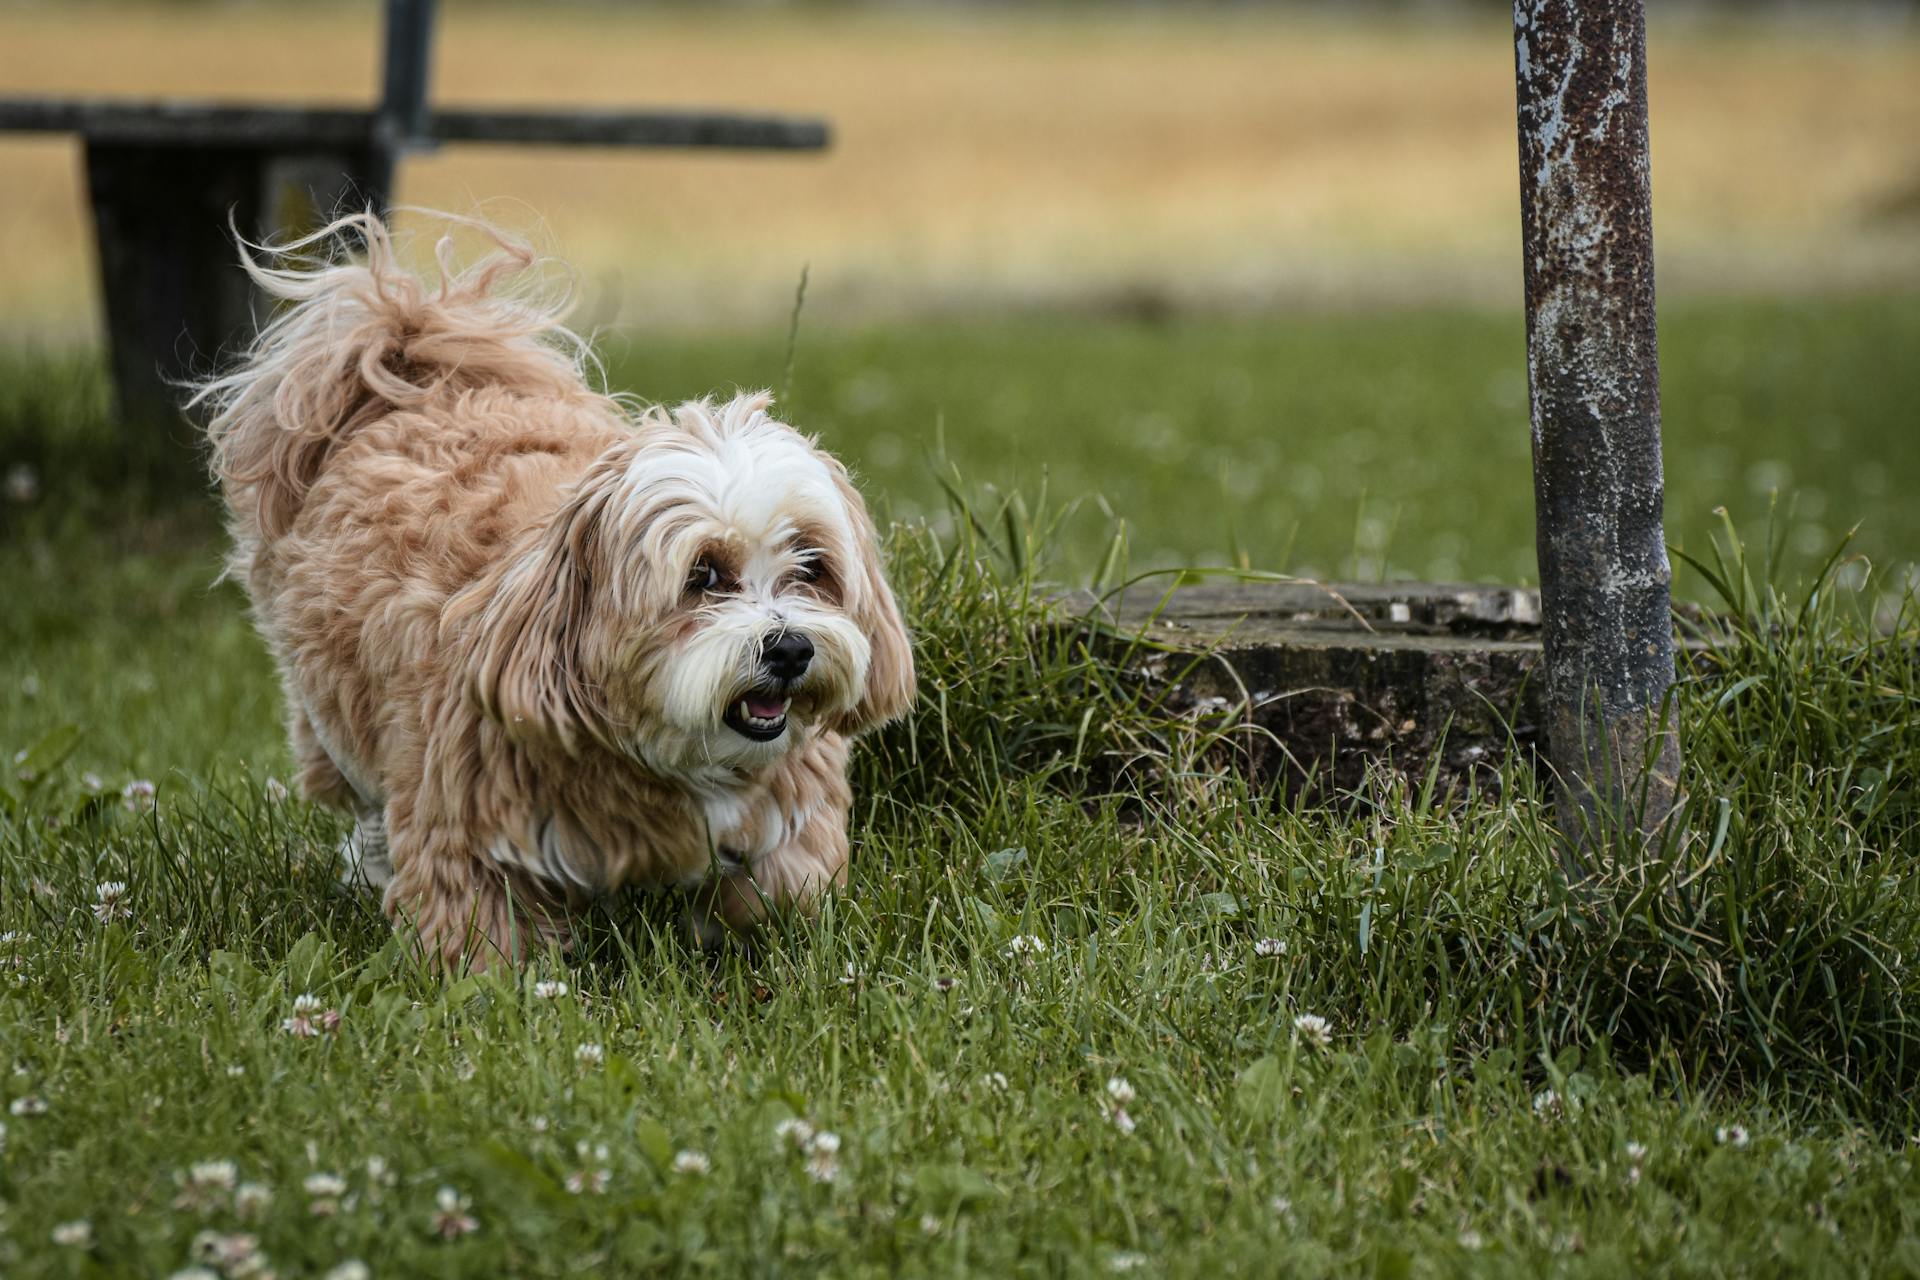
[(704, 577)]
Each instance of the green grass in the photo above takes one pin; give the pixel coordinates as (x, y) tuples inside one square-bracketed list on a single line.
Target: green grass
[(1494, 1051)]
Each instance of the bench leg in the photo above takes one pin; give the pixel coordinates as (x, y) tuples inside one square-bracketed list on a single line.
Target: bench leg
[(176, 301)]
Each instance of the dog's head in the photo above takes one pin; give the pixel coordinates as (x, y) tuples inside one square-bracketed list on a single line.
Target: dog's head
[(709, 593)]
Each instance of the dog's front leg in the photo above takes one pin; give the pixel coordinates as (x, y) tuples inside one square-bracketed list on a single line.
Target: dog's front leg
[(467, 913), (789, 880)]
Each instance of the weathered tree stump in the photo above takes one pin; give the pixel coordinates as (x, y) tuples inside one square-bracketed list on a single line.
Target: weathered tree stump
[(1328, 681)]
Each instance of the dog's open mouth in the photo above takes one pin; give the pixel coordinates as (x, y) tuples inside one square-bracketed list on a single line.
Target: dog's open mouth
[(761, 716)]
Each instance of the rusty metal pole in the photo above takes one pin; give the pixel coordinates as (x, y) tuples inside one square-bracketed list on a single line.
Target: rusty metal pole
[(1593, 372)]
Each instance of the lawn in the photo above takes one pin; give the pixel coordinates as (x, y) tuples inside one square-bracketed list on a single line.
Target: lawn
[(1182, 1030)]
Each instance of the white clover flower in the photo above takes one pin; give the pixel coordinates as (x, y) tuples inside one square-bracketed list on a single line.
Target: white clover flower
[(589, 1055), (218, 1174), (77, 1234), (379, 1173), (93, 782), (351, 1269), (1636, 1151), (110, 901), (539, 1124), (1126, 1261), (793, 1131), (1122, 1121), (1270, 948), (1313, 1029), (1548, 1105), (594, 1180), (929, 1225), (1732, 1136), (1281, 1206), (692, 1162), (452, 1218), (823, 1166), (137, 796), (1026, 945), (551, 990), (1472, 1240), (276, 790), (250, 1199), (1120, 1090), (324, 1184), (824, 1143), (29, 1104), (307, 1002), (995, 1080), (236, 1070)]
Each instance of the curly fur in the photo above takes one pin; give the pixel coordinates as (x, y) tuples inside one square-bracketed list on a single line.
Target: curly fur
[(487, 589)]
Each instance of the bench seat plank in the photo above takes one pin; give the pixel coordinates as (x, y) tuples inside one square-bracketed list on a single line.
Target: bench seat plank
[(180, 122)]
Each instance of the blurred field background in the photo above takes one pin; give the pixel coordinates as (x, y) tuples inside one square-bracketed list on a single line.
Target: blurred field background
[(1249, 276)]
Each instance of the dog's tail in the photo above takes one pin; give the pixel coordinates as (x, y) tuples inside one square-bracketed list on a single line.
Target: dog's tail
[(359, 336)]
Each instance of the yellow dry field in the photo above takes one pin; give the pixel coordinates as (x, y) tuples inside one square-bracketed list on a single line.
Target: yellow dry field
[(1002, 159)]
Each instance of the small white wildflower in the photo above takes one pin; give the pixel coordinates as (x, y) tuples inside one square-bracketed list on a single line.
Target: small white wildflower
[(550, 990), (594, 1180), (929, 1225), (1126, 1261), (995, 1080), (307, 1002), (824, 1143), (137, 796), (220, 1174), (93, 782), (1472, 1240), (1120, 1090), (794, 1131), (1636, 1151), (23, 483), (110, 901), (1548, 1105), (1281, 1206), (236, 1070), (250, 1199), (692, 1162), (351, 1269), (1025, 945), (539, 1124), (451, 1219), (945, 984), (1314, 1029), (1122, 1121), (823, 1166), (1732, 1136), (324, 1184), (1269, 948), (589, 1055), (77, 1234), (379, 1172), (30, 1104), (276, 790)]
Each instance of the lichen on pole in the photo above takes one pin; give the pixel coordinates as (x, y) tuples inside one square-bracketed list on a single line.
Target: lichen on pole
[(1593, 374)]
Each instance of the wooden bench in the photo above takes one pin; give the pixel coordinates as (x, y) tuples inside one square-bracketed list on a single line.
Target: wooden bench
[(164, 177)]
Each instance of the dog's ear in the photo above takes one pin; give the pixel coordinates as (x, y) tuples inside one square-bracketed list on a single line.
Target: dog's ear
[(889, 692), (527, 625)]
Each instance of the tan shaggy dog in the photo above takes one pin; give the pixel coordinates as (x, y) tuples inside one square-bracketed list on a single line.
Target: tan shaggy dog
[(540, 644)]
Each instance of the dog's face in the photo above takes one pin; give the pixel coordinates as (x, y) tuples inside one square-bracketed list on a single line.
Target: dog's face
[(709, 594)]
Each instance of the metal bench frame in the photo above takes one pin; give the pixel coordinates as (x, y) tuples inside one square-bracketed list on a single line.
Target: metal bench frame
[(165, 176)]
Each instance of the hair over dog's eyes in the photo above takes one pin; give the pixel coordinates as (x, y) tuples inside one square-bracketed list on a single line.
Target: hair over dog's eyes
[(703, 578)]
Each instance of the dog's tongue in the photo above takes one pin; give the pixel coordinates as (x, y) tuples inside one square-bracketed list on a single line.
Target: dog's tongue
[(766, 708)]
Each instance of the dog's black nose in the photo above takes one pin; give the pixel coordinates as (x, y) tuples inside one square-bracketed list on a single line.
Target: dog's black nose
[(786, 655)]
